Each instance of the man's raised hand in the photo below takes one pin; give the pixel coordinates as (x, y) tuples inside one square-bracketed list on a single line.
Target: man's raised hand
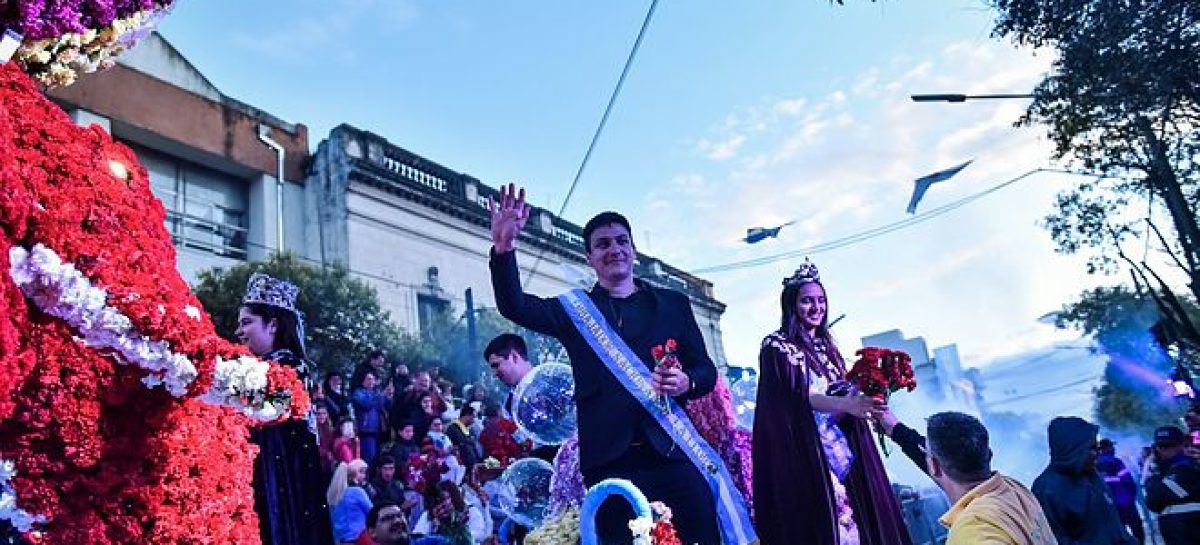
[(509, 215)]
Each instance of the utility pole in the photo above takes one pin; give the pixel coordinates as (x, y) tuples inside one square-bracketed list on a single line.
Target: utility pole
[(470, 297)]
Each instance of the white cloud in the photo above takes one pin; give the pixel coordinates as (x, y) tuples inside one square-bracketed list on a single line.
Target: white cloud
[(726, 149), (841, 162)]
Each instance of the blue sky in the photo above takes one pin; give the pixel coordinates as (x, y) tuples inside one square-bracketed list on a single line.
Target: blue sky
[(735, 114)]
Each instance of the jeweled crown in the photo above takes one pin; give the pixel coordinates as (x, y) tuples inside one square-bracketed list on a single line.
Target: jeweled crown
[(807, 272), (267, 290)]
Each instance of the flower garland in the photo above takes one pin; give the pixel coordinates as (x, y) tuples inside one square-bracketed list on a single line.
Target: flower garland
[(103, 458), (63, 38), (566, 485), (60, 290), (58, 60), (39, 19)]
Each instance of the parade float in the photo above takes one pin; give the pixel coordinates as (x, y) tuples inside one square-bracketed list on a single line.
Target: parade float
[(123, 416)]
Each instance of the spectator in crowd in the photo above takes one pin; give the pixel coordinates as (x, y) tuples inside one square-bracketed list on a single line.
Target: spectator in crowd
[(477, 393), (436, 437), (477, 504), (462, 438), (447, 515), (1173, 488), (988, 506), (375, 363), (334, 398), (346, 447), (507, 356), (1071, 492), (400, 378), (1192, 419), (425, 415), (326, 434), (1122, 488), (389, 395), (408, 405), (349, 502), (497, 437), (405, 446), (371, 415), (387, 525), (385, 487)]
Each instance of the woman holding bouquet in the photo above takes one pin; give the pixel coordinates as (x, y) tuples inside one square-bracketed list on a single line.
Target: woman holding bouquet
[(288, 483), (817, 476)]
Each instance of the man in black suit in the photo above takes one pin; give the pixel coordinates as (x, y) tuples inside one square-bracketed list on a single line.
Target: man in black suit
[(618, 438)]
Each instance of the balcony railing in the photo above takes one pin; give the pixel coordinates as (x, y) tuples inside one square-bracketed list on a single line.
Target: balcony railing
[(188, 231)]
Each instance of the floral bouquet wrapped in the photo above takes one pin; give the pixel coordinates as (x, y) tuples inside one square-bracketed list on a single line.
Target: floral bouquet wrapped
[(664, 356), (879, 372)]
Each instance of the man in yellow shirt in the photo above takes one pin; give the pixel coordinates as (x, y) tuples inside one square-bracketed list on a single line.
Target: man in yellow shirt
[(989, 508)]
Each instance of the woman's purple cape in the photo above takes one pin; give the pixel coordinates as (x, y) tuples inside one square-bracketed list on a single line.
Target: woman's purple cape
[(793, 496)]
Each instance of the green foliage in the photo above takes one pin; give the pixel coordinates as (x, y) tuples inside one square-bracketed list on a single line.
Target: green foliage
[(1133, 397), (344, 321), (1121, 101)]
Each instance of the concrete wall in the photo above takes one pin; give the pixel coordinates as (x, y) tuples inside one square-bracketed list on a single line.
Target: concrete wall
[(394, 244), (194, 115)]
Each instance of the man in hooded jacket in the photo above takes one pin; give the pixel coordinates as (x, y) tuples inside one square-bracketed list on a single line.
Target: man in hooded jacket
[(1073, 496)]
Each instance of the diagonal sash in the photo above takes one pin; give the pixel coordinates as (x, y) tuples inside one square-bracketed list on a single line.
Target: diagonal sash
[(732, 513)]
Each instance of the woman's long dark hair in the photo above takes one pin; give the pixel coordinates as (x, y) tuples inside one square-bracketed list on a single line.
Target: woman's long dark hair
[(286, 331), (792, 327)]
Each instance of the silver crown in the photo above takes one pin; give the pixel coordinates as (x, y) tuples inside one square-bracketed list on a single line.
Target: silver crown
[(266, 290), (806, 273)]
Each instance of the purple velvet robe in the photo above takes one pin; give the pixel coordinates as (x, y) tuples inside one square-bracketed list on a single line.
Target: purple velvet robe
[(793, 496)]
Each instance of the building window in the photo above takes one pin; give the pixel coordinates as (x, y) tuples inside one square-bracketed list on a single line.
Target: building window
[(429, 309), (206, 209)]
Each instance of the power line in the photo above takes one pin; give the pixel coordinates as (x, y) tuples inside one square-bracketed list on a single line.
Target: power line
[(612, 100), (874, 232)]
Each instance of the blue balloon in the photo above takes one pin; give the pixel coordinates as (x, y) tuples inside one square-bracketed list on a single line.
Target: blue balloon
[(525, 491), (544, 404)]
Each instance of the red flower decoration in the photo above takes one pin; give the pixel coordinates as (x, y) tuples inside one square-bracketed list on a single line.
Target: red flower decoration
[(664, 354), (105, 458)]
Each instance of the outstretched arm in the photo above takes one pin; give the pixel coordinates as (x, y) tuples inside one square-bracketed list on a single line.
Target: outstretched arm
[(910, 440), (509, 215)]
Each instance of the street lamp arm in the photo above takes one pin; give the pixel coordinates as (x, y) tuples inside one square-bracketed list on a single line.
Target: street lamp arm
[(958, 97)]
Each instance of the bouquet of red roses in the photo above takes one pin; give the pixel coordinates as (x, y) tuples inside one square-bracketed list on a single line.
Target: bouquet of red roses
[(664, 356), (878, 373)]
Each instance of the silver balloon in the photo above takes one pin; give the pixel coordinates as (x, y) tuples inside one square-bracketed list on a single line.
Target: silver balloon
[(744, 393), (544, 404), (525, 491)]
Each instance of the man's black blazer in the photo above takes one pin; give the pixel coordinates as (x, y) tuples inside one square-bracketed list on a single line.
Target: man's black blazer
[(610, 419)]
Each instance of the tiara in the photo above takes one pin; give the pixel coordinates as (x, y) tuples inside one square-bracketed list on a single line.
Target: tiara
[(266, 290), (807, 272)]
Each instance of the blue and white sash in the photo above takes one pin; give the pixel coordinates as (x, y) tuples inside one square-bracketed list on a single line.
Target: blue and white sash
[(732, 514)]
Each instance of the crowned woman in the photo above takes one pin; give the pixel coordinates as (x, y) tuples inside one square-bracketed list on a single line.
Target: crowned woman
[(289, 494), (817, 476)]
